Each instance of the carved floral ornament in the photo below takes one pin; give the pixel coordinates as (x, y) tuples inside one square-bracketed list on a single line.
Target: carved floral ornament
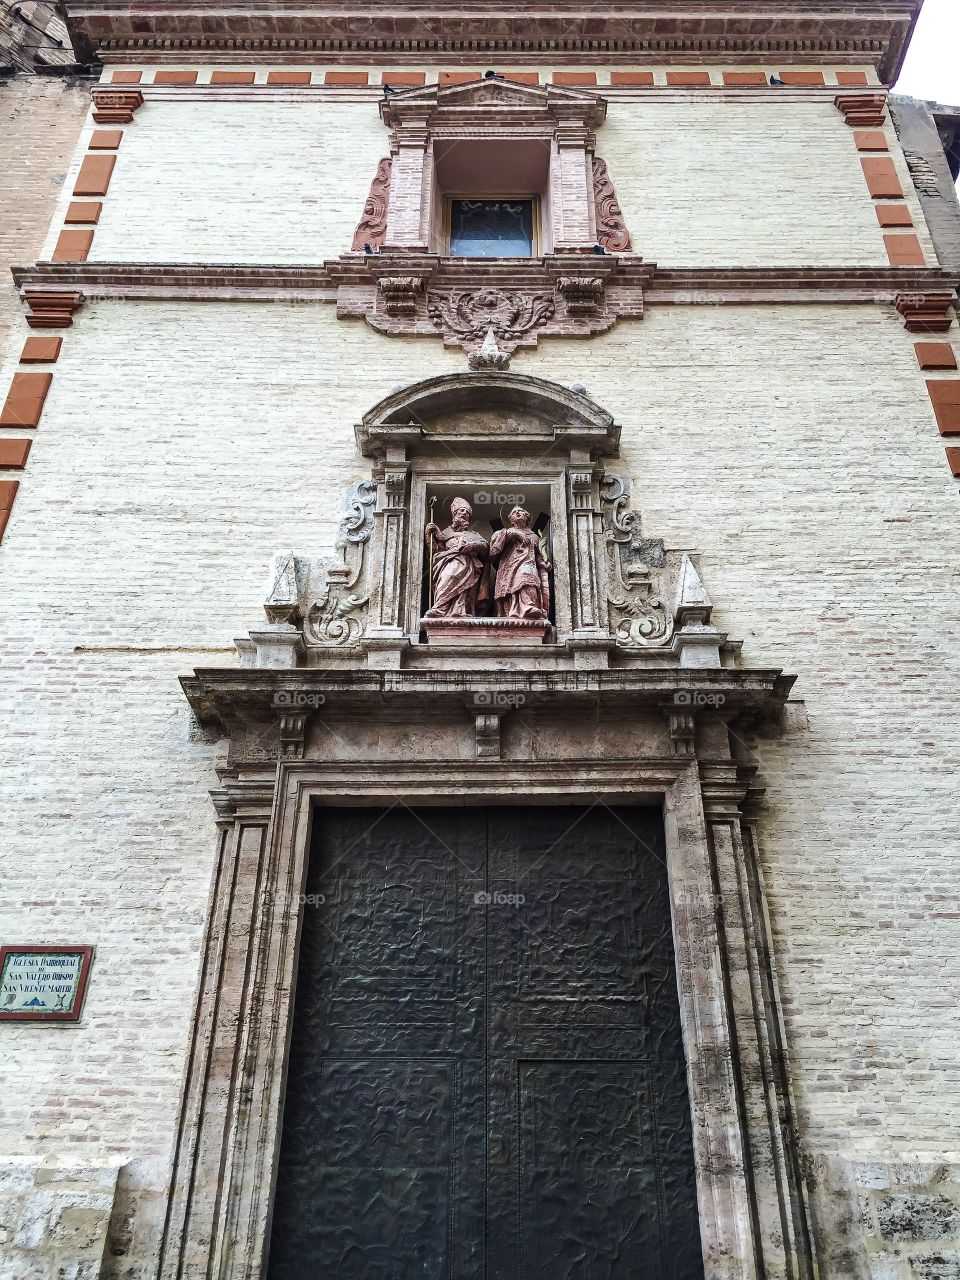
[(532, 540)]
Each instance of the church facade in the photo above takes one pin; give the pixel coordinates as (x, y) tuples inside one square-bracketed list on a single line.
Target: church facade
[(479, 580)]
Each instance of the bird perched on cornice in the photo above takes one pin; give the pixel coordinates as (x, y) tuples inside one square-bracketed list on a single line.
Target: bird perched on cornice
[(493, 75), (775, 80), (388, 90), (599, 250)]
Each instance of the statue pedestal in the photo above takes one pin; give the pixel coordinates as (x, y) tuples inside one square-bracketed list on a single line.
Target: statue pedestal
[(484, 631)]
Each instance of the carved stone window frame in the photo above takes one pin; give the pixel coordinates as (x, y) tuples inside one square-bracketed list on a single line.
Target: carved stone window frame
[(423, 120)]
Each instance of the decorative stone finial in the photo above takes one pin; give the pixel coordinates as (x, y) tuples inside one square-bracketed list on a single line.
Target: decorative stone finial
[(489, 356)]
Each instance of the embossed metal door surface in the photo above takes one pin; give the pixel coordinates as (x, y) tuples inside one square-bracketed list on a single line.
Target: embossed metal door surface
[(486, 1076)]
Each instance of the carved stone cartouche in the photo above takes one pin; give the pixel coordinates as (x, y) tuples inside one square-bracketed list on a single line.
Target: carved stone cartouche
[(470, 314), (335, 616)]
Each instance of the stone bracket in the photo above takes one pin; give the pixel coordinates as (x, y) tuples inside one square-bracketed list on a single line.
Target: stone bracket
[(50, 309), (926, 312), (116, 106), (863, 110), (487, 728)]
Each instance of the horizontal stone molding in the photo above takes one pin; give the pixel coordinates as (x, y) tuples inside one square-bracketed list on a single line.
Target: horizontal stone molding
[(219, 696), (319, 90), (351, 282)]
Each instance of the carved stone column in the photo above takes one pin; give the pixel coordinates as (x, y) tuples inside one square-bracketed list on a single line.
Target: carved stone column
[(386, 637), (779, 1194), (411, 183), (590, 633), (196, 1238)]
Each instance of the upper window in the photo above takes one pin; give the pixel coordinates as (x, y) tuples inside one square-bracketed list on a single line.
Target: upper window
[(501, 228)]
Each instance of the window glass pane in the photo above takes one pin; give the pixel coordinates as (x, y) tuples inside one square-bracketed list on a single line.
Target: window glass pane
[(491, 228)]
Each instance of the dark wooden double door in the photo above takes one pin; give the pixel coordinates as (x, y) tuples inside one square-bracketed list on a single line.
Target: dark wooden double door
[(486, 1078)]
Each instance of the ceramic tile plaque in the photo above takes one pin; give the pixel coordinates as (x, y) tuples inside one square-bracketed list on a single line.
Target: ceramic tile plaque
[(43, 984)]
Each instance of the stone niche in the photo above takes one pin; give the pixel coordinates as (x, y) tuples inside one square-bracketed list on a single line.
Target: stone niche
[(494, 440)]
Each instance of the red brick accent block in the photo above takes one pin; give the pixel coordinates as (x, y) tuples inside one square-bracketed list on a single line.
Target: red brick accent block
[(870, 140), (83, 211), (175, 77), (850, 78), (575, 77), (522, 77), (636, 78), (458, 77), (953, 461), (689, 78), (40, 350), (894, 215), (744, 77), (105, 139), (73, 246), (404, 77), (24, 402), (881, 176), (233, 77), (802, 78), (904, 251), (945, 398), (13, 453), (935, 355), (290, 77), (126, 77), (94, 176), (8, 491), (346, 77)]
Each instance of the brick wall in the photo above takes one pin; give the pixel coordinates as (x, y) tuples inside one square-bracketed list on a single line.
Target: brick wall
[(758, 183), (40, 121), (702, 182)]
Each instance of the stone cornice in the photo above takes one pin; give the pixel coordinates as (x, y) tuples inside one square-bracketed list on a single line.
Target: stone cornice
[(321, 283), (795, 31), (228, 694)]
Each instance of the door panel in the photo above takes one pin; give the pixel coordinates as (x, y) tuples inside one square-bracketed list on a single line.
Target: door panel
[(381, 1161), (486, 1075)]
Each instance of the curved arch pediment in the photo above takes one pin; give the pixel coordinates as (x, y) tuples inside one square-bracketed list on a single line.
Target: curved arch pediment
[(493, 411)]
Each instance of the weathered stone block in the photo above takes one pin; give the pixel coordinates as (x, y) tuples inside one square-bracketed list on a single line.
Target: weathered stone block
[(917, 1217)]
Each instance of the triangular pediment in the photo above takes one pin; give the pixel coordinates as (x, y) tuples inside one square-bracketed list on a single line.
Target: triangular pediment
[(493, 96)]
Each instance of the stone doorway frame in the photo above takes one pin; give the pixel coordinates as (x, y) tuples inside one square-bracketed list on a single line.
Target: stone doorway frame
[(751, 1198)]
